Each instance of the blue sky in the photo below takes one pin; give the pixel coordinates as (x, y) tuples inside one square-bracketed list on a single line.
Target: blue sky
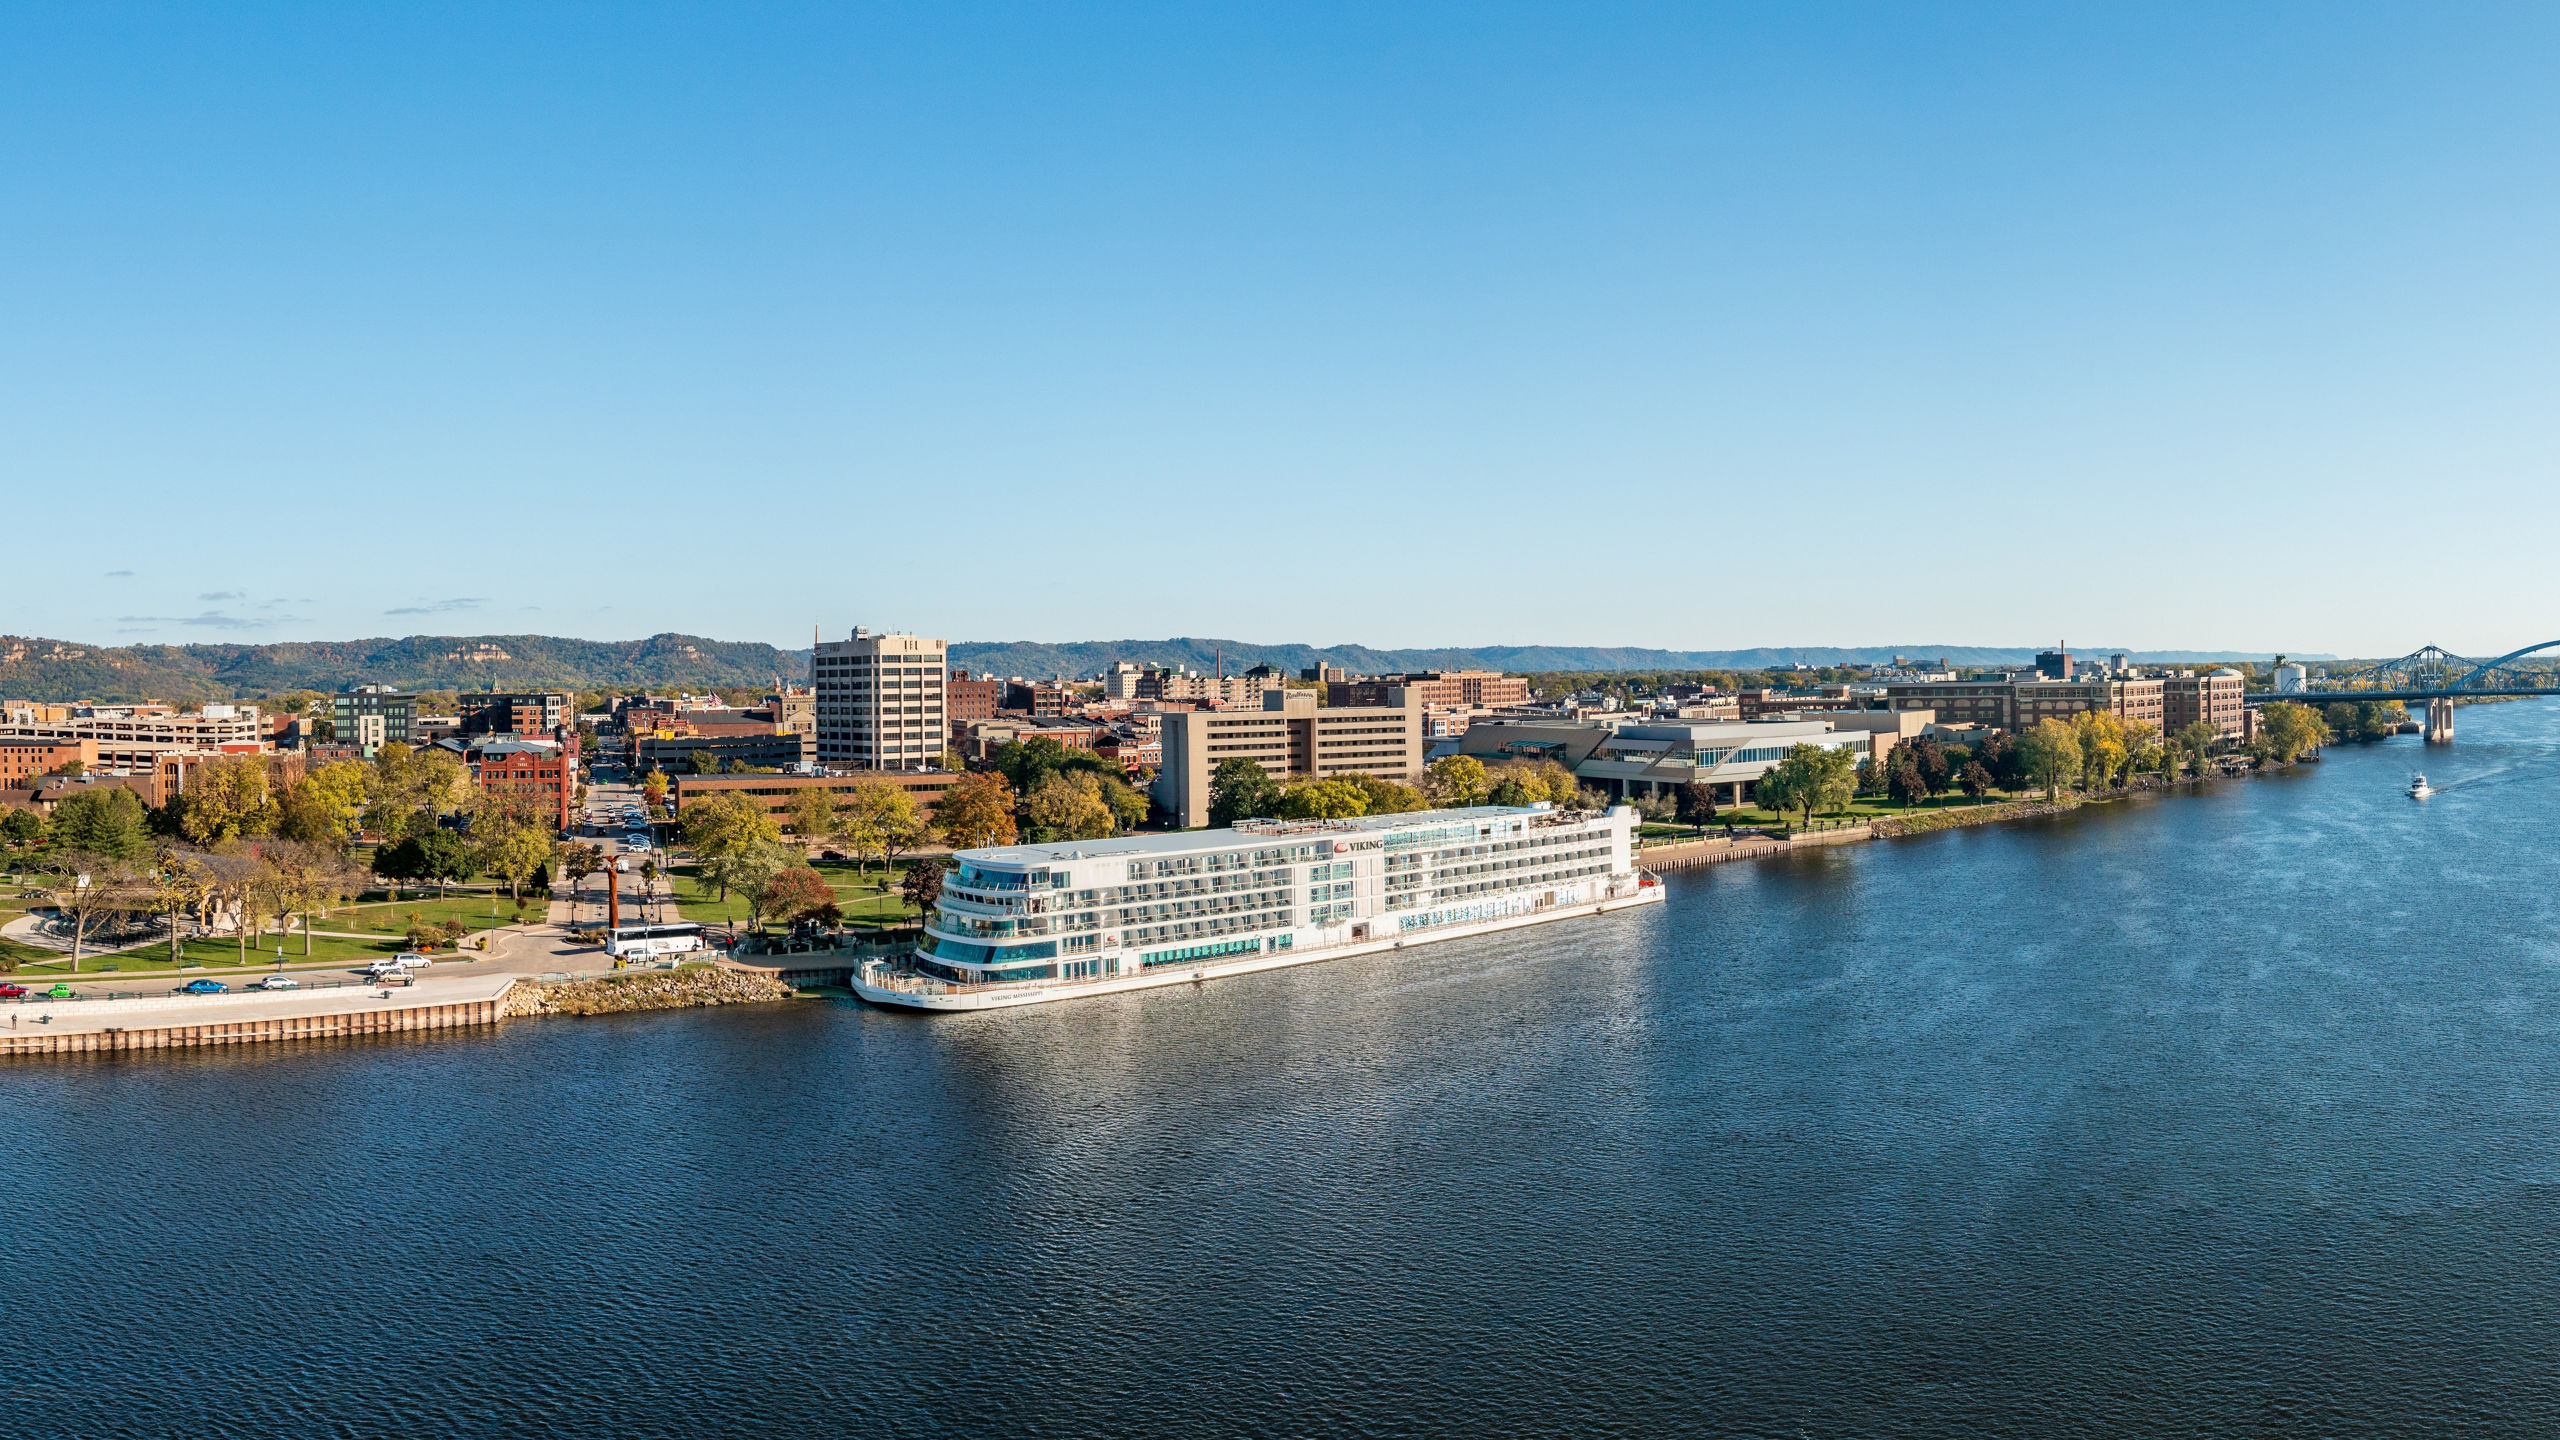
[(2169, 326)]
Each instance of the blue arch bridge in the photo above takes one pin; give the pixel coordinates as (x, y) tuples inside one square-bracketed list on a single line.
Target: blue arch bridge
[(2437, 676)]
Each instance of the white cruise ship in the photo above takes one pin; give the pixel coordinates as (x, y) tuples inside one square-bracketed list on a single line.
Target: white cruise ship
[(1025, 924)]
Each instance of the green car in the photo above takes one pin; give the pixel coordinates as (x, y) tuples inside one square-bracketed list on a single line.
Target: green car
[(58, 992)]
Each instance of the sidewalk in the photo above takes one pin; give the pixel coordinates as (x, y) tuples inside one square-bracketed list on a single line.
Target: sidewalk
[(72, 1017)]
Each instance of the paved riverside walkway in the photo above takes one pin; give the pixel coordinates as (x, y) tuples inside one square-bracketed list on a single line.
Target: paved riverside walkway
[(156, 1011), (1685, 854)]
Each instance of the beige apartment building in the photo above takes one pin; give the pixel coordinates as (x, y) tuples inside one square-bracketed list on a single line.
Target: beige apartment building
[(1290, 735), (880, 702)]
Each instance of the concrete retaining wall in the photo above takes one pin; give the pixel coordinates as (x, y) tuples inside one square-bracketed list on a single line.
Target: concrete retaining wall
[(247, 1032)]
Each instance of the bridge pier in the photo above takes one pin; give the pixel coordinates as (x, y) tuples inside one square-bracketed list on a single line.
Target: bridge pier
[(2440, 721)]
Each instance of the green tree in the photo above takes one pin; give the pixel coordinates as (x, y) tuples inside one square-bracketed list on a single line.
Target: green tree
[(813, 814), (2286, 730), (513, 849), (1929, 758), (749, 866), (445, 859), (1067, 807), (328, 805), (1386, 797), (2143, 749), (102, 820), (1456, 781), (2102, 745), (720, 824), (1240, 789), (1026, 763), (21, 829), (2196, 739), (398, 862), (1810, 778), (1330, 799), (1903, 778), (2367, 719), (1129, 809), (2050, 755), (874, 819), (226, 798)]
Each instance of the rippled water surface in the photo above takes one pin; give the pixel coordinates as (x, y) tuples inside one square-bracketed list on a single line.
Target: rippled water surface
[(2221, 1114)]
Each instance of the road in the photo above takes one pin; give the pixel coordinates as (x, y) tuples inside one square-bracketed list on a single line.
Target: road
[(585, 904)]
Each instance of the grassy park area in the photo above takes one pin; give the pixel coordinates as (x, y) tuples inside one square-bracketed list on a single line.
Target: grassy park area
[(868, 901), (213, 955), (391, 917), (1865, 807)]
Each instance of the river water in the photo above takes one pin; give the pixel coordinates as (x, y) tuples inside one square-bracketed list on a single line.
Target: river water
[(2226, 1113)]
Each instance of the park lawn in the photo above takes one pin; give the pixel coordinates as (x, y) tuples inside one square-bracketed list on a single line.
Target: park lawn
[(872, 901), (1865, 807), (391, 917), (222, 954)]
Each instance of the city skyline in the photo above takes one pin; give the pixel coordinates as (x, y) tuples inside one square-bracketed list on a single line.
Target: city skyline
[(1659, 329)]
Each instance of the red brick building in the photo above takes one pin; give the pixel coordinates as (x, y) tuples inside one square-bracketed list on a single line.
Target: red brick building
[(1039, 701), (21, 758), (965, 700), (543, 777), (1433, 690), (2214, 698)]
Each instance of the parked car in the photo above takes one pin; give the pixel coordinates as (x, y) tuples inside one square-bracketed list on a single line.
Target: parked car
[(205, 987), (279, 982), (11, 990)]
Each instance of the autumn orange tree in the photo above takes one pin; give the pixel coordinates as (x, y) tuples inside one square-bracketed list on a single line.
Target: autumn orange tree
[(976, 812)]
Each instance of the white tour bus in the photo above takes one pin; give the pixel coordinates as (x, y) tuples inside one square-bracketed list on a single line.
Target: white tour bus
[(638, 942)]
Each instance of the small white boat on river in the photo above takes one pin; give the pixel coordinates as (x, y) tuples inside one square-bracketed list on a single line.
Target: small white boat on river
[(2419, 789)]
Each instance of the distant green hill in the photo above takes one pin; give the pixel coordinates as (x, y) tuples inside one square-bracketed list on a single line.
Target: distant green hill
[(53, 670), (1088, 657)]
